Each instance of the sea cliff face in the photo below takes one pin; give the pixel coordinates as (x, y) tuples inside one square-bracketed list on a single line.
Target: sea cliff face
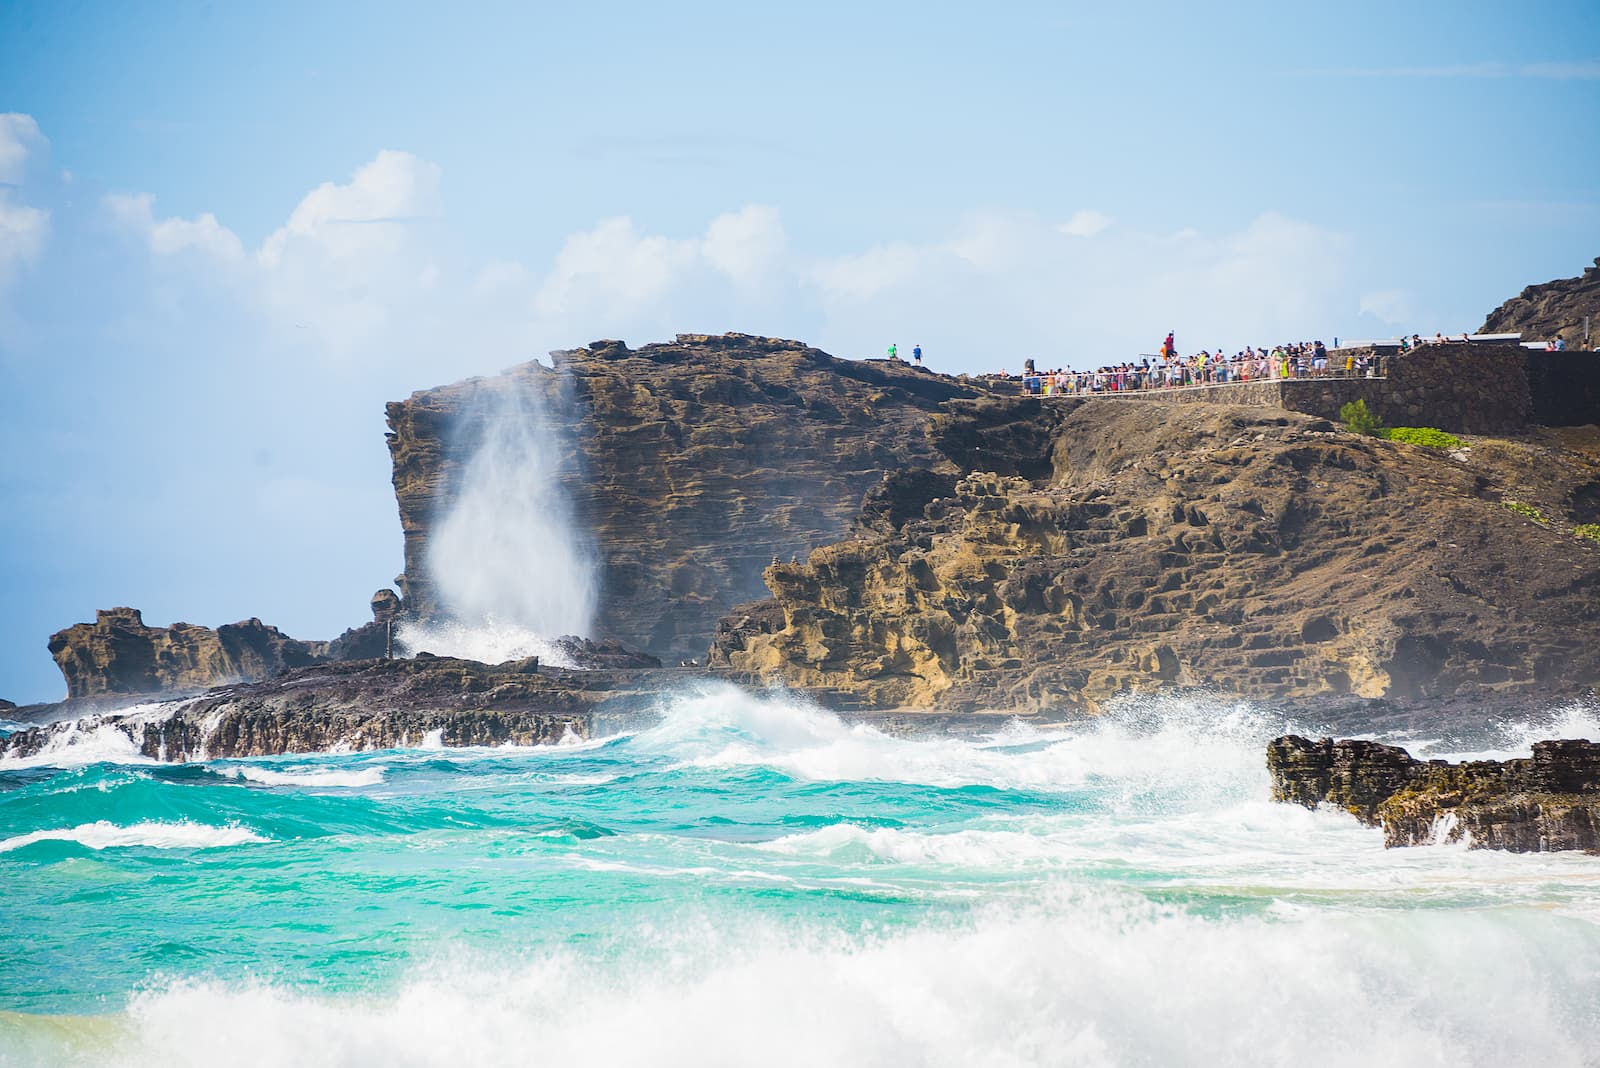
[(1247, 551), (693, 465)]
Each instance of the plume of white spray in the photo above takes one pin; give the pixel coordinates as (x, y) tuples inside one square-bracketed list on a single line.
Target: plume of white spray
[(511, 564)]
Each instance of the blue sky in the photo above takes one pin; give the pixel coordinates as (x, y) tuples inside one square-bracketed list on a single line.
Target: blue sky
[(229, 233)]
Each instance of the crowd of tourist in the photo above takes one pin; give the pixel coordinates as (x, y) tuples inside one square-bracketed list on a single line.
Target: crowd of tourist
[(1167, 369)]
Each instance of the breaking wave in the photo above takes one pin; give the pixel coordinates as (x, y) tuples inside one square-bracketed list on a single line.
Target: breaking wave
[(271, 777), (752, 880), (103, 834)]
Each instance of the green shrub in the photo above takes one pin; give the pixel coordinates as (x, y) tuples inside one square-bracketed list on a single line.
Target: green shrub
[(1527, 511), (1587, 530), (1424, 435), (1358, 420)]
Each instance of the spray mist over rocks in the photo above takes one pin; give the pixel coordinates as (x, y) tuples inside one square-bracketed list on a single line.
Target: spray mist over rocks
[(513, 565)]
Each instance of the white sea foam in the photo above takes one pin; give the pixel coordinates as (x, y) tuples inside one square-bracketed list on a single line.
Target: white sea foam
[(326, 778), (103, 834), (101, 738), (488, 642), (1148, 751), (1081, 978), (1516, 739)]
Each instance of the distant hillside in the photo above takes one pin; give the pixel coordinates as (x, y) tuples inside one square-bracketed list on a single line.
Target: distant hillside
[(1555, 309)]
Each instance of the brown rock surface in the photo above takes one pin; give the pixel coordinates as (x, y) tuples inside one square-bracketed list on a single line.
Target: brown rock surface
[(118, 654), (1554, 309), (1548, 801), (1246, 551), (694, 464)]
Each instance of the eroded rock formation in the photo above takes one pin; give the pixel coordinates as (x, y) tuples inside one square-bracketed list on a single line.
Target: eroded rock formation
[(1246, 551), (118, 654), (1548, 801), (694, 464)]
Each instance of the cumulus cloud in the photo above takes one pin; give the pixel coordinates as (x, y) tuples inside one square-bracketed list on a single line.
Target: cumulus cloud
[(19, 139), (1086, 223), (1390, 306), (615, 273), (171, 236), (746, 245), (353, 262), (1004, 287), (24, 229), (359, 272)]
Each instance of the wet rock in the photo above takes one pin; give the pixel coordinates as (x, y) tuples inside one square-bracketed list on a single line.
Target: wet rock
[(1549, 801), (372, 704), (608, 653)]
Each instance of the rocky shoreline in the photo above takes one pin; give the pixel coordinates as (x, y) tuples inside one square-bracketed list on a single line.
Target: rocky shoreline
[(1548, 801), (931, 552)]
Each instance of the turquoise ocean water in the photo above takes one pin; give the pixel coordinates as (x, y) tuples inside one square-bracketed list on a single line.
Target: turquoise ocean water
[(751, 881)]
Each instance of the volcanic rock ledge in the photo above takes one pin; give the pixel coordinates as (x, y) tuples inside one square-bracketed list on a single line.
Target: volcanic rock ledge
[(372, 704), (1549, 801), (1247, 551)]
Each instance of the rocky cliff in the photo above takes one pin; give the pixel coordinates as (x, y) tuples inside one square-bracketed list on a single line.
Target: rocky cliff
[(1548, 801), (118, 654), (694, 464), (1247, 551), (1554, 309)]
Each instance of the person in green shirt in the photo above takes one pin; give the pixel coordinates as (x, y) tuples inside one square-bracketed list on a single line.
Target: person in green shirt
[(894, 351)]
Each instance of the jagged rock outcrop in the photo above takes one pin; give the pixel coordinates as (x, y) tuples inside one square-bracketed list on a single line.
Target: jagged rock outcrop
[(1246, 551), (1554, 309), (693, 464), (1548, 801), (119, 654)]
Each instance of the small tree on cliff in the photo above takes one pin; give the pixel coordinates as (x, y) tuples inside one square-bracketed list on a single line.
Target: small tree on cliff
[(1358, 420)]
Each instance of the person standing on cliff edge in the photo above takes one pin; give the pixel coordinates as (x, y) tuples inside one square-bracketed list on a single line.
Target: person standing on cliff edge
[(916, 355), (894, 351), (1168, 348)]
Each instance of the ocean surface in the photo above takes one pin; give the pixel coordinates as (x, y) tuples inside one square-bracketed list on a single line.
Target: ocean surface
[(751, 881)]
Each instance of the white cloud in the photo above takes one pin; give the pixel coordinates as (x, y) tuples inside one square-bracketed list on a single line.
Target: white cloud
[(615, 274), (171, 236), (1086, 223), (19, 139), (374, 215), (1006, 287), (1391, 306), (352, 263), (23, 233), (747, 244), (24, 229), (360, 274), (861, 276), (612, 268)]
